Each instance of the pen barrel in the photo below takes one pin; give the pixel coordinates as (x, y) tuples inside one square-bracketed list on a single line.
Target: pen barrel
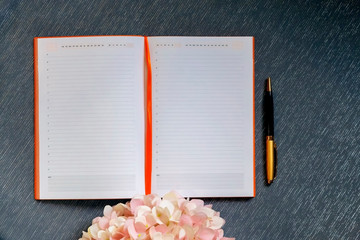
[(269, 114)]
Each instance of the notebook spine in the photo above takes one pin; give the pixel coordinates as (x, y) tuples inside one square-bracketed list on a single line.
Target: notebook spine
[(148, 121)]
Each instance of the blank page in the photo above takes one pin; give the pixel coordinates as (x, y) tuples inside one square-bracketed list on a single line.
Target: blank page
[(202, 103), (91, 117)]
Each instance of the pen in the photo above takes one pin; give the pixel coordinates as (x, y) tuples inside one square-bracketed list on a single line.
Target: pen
[(271, 150)]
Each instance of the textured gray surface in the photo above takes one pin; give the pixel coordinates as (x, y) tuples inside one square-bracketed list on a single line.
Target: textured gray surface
[(310, 49)]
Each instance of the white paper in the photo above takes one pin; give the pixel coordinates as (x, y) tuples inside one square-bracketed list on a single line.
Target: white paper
[(91, 117), (202, 107)]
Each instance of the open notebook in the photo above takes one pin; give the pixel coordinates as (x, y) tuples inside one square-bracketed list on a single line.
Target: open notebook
[(117, 116)]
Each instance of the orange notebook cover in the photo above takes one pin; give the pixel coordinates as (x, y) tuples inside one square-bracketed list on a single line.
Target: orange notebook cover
[(117, 116)]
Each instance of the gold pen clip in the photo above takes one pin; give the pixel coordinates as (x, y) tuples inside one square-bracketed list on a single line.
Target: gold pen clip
[(271, 159), (275, 160)]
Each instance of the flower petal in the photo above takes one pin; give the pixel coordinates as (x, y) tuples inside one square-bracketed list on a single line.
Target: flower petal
[(119, 234), (185, 220), (168, 237), (103, 235), (172, 196), (107, 211), (155, 235), (161, 215), (176, 216), (143, 210), (104, 223), (119, 209), (93, 230), (131, 228), (189, 232), (113, 215), (152, 200), (140, 227), (96, 220), (150, 220), (161, 228), (112, 229), (190, 207), (167, 204), (199, 219), (217, 222), (208, 211), (119, 221), (141, 219), (205, 234), (198, 202), (182, 234), (135, 204)]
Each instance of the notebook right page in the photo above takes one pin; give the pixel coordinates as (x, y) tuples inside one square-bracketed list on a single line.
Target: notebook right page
[(203, 116)]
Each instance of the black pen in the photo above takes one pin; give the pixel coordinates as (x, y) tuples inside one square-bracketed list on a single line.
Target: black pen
[(271, 151)]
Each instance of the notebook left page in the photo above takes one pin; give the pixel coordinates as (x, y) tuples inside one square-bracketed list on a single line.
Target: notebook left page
[(89, 117)]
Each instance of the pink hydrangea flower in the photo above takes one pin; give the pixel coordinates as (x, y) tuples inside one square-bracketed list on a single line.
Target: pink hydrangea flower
[(146, 217)]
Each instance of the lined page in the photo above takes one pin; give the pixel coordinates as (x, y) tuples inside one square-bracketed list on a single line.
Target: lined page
[(91, 117), (202, 107)]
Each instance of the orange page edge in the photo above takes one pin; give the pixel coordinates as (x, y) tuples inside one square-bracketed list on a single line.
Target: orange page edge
[(36, 124), (148, 124), (254, 114)]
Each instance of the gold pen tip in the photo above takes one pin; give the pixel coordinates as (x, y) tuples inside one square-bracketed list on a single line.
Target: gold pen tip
[(268, 84), (269, 181)]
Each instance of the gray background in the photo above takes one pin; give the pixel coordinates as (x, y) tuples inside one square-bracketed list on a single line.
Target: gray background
[(311, 49)]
